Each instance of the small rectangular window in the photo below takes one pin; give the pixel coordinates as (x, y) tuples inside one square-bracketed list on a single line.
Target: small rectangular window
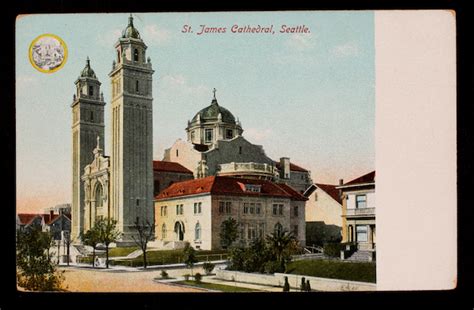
[(229, 134), (361, 201), (181, 209), (136, 86), (177, 209), (361, 231), (208, 135), (275, 208), (252, 208), (258, 208), (221, 206), (228, 207), (199, 207), (246, 208), (280, 209)]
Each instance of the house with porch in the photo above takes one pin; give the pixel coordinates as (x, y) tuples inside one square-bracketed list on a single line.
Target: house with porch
[(358, 212)]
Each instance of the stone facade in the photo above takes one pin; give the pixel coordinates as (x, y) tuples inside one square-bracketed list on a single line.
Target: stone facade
[(87, 124), (178, 212), (97, 190), (132, 133)]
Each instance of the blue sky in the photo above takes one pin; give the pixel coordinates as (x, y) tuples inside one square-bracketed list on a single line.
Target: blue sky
[(306, 96)]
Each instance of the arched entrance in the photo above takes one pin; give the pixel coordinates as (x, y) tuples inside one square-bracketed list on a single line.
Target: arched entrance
[(179, 231)]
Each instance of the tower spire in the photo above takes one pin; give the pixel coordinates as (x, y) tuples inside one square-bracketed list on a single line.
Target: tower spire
[(130, 20), (214, 91)]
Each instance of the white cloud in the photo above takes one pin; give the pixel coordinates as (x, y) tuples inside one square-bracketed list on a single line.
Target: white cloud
[(109, 38), (155, 35), (257, 135), (346, 50), (301, 42)]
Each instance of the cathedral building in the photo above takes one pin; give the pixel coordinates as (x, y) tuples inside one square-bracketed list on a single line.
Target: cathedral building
[(128, 184), (119, 186)]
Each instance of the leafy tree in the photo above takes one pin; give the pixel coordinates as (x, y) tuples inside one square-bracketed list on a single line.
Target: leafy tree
[(229, 232), (67, 242), (256, 256), (91, 238), (145, 233), (237, 258), (108, 233), (279, 243), (36, 271), (189, 256), (208, 267)]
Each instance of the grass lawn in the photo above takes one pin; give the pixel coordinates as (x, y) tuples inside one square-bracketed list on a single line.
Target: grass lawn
[(363, 272), (171, 257), (217, 287)]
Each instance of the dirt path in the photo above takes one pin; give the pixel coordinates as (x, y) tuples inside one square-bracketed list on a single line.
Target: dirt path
[(89, 280)]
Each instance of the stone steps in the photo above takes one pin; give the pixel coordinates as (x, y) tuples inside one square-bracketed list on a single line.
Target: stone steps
[(361, 256)]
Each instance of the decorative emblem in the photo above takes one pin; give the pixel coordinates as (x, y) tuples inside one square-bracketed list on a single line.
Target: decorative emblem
[(48, 53)]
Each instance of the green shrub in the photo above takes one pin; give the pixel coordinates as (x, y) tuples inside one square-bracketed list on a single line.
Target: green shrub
[(164, 274), (272, 267), (208, 267), (197, 277), (334, 249)]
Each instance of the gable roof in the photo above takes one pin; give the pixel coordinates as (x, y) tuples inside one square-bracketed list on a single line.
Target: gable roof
[(366, 178), (27, 218), (169, 166), (222, 185), (56, 217), (331, 191)]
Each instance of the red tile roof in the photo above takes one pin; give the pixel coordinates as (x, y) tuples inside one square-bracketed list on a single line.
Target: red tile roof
[(169, 166), (27, 218), (366, 178), (331, 190), (293, 167), (294, 194), (221, 185)]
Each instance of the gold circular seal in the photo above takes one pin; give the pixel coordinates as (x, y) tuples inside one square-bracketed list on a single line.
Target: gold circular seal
[(48, 53)]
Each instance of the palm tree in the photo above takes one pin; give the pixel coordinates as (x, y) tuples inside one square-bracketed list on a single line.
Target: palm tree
[(279, 242)]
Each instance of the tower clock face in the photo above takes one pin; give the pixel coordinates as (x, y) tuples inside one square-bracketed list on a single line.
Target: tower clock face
[(48, 53)]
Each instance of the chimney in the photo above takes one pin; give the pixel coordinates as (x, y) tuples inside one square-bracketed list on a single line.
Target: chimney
[(341, 182), (285, 167), (51, 213)]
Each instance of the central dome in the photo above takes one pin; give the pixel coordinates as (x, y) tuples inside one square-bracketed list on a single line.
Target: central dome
[(211, 113)]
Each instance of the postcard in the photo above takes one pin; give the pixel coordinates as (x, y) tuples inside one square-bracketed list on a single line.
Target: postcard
[(236, 151)]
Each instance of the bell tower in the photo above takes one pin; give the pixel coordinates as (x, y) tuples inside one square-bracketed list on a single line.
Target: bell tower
[(132, 132), (87, 125)]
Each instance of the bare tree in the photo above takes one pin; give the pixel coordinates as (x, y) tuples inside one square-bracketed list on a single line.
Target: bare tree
[(146, 233)]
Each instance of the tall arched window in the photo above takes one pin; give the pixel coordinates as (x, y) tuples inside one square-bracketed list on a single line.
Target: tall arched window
[(135, 55), (278, 229), (163, 231), (197, 232), (136, 86), (99, 193)]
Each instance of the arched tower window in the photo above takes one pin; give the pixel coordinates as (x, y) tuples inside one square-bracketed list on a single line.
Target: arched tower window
[(135, 55), (197, 232), (136, 86), (91, 90), (278, 229), (163, 231), (99, 194)]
